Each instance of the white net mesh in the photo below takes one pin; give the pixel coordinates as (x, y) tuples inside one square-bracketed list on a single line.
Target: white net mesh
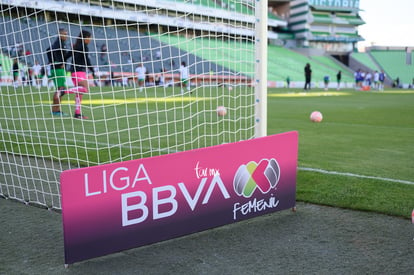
[(129, 116)]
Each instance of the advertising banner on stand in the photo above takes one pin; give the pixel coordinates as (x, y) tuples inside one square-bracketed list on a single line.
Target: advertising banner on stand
[(113, 207)]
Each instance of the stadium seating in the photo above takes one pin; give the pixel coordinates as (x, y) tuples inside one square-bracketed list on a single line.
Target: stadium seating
[(225, 4), (119, 42), (233, 6), (201, 54), (395, 64), (366, 59), (284, 62), (328, 64)]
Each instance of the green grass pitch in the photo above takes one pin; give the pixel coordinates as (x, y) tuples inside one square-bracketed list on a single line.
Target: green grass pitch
[(368, 134), (362, 133), (124, 123)]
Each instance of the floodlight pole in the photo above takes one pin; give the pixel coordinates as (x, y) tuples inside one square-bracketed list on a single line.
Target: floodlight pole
[(260, 80)]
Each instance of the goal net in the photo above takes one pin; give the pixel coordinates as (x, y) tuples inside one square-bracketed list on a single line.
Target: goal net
[(88, 82)]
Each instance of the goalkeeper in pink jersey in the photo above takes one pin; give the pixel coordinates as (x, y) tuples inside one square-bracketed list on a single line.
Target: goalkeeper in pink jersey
[(80, 66)]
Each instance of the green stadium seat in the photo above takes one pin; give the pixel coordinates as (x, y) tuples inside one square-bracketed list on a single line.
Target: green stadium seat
[(366, 60), (395, 64)]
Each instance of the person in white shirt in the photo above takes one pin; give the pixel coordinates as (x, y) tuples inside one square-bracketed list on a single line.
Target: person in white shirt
[(368, 79), (141, 71), (37, 74), (184, 75), (376, 80)]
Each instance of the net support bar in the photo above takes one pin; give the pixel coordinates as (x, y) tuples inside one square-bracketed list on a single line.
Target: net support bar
[(260, 81)]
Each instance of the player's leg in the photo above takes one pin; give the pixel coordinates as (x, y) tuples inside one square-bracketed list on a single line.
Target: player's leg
[(306, 84), (38, 81), (183, 85), (15, 79), (187, 84), (78, 104), (59, 80), (140, 84), (80, 80)]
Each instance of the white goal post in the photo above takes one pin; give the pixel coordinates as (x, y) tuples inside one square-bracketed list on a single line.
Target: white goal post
[(93, 103)]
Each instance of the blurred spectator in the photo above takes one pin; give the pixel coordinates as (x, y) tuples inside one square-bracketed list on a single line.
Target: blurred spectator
[(338, 80), (308, 77)]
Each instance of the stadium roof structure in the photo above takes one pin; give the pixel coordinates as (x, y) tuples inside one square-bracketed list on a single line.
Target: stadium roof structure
[(161, 15), (327, 24)]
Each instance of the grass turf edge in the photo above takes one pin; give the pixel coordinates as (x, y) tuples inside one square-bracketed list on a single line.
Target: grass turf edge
[(390, 198)]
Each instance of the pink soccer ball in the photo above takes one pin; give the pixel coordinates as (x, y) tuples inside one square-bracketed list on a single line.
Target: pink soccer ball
[(221, 111), (316, 116)]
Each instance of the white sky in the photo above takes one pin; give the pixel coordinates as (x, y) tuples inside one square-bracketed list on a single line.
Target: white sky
[(388, 23)]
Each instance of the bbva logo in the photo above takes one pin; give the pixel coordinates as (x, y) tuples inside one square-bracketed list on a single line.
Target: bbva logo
[(251, 176)]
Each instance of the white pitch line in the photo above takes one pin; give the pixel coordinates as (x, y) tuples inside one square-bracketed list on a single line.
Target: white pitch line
[(353, 175)]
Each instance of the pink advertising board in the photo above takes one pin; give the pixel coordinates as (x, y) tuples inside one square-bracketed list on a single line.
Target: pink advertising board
[(113, 207)]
